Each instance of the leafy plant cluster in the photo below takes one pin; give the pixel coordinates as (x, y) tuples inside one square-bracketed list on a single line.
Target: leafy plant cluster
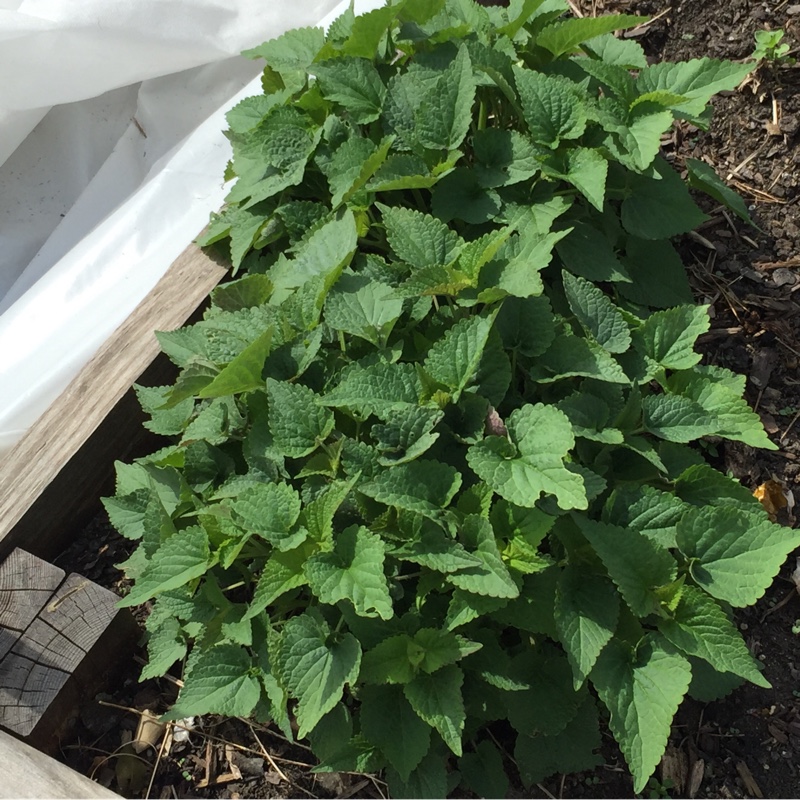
[(430, 488), (771, 49)]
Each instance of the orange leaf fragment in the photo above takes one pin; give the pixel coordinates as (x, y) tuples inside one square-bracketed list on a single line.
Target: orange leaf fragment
[(771, 495)]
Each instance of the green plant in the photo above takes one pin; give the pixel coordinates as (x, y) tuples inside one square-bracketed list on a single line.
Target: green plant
[(431, 468), (770, 49)]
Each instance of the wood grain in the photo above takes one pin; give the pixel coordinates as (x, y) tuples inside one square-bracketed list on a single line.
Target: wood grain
[(51, 648), (30, 774), (60, 432)]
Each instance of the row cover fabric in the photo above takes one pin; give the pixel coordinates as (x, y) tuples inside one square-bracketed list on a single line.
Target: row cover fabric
[(111, 157)]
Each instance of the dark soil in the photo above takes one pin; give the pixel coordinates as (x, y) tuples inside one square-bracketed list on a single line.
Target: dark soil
[(747, 745)]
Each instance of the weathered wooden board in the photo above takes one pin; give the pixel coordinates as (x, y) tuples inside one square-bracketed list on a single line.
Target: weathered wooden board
[(30, 774), (59, 438)]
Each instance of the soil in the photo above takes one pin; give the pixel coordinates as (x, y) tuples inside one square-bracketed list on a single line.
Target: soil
[(747, 745)]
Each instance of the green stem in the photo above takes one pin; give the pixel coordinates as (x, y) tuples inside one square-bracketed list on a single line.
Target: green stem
[(483, 113)]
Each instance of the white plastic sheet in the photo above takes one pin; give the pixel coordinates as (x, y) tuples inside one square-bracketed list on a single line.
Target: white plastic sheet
[(101, 193)]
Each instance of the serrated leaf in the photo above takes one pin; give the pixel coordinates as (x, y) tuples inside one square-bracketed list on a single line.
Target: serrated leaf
[(454, 359), (429, 779), (297, 421), (420, 240), (492, 577), (552, 112), (701, 485), (704, 178), (313, 668), (243, 374), (390, 723), (437, 552), (570, 750), (181, 558), (617, 51), (586, 251), (642, 690), (165, 645), (587, 171), (503, 157), (407, 435), (126, 512), (445, 114), (597, 315), (733, 554), (659, 207), (355, 84), (379, 389), (676, 418), (221, 683), (636, 564), (564, 37), (292, 51), (352, 571), (271, 511), (282, 573), (701, 628), (669, 336), (569, 356), (586, 611), (526, 325), (531, 463), (422, 485), (364, 308), (436, 697)]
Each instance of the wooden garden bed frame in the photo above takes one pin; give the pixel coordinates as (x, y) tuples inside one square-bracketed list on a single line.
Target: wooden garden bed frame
[(52, 480)]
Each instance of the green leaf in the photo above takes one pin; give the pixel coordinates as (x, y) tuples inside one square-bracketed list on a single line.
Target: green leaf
[(675, 418), (587, 252), (166, 644), (390, 723), (669, 336), (221, 683), (526, 325), (587, 171), (704, 178), (636, 564), (659, 276), (659, 207), (552, 111), (454, 359), (420, 239), (368, 31), (436, 697), (282, 573), (570, 750), (355, 84), (492, 577), (701, 628), (642, 690), (445, 114), (586, 611), (429, 779), (483, 771), (569, 356), (421, 485), (381, 389), (181, 558), (315, 667), (293, 51), (564, 37), (435, 551), (598, 316), (364, 308), (503, 157), (532, 462), (354, 572), (271, 511), (616, 51), (297, 421), (697, 80), (734, 555), (243, 374)]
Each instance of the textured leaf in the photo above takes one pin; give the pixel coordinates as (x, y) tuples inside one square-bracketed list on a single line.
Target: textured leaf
[(484, 771), (429, 779), (454, 359), (533, 461), (355, 84), (597, 315), (364, 308), (390, 723), (642, 691), (734, 555), (297, 421), (704, 178), (435, 551), (181, 558), (570, 750), (564, 37), (292, 51), (282, 573), (503, 157), (700, 628), (420, 485), (243, 374), (270, 510), (586, 613), (492, 577), (585, 251), (420, 239), (587, 171), (381, 389), (620, 52), (569, 356), (526, 325), (436, 697), (165, 645), (658, 272), (636, 564), (551, 110), (313, 668), (669, 336), (222, 683), (676, 418), (354, 572)]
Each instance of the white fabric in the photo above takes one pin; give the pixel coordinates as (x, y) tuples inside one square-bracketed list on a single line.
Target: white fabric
[(101, 193)]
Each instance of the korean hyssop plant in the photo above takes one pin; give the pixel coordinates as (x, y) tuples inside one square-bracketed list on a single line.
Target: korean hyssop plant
[(430, 488)]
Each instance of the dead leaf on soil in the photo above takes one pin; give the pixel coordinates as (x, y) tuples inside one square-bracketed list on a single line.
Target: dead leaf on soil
[(771, 495), (149, 731), (674, 767), (750, 785), (696, 777)]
